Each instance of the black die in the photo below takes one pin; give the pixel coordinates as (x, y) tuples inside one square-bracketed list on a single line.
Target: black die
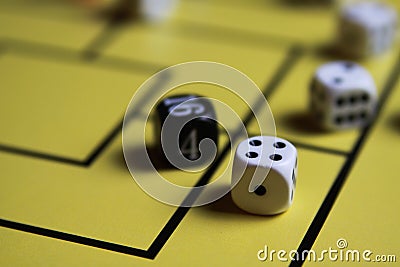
[(190, 118)]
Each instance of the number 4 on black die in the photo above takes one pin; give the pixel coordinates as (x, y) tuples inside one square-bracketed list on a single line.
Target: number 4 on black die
[(190, 119)]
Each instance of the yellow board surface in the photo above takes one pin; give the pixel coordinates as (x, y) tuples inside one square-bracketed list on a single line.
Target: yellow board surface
[(67, 197)]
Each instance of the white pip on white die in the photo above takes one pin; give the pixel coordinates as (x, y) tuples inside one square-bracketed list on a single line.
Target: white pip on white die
[(265, 171), (366, 28), (342, 95)]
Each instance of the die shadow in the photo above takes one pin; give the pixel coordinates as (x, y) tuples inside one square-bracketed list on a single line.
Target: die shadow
[(139, 156), (118, 159), (224, 205), (301, 122), (299, 4), (330, 52), (394, 122), (121, 12)]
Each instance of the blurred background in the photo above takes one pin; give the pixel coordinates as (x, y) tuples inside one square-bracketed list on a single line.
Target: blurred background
[(68, 71)]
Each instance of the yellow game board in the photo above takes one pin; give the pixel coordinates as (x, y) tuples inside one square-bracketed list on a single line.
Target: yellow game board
[(67, 197)]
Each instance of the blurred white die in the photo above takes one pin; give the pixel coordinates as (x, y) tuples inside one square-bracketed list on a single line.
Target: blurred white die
[(342, 95), (265, 169), (366, 28), (157, 10)]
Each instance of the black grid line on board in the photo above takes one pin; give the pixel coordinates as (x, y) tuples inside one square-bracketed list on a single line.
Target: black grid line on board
[(107, 139), (3, 49), (39, 50), (73, 238), (292, 57), (230, 35), (326, 206), (66, 160), (308, 239), (117, 15), (43, 51), (92, 50)]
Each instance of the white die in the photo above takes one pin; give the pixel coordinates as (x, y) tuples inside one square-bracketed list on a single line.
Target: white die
[(265, 169), (156, 10), (366, 28), (342, 95)]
